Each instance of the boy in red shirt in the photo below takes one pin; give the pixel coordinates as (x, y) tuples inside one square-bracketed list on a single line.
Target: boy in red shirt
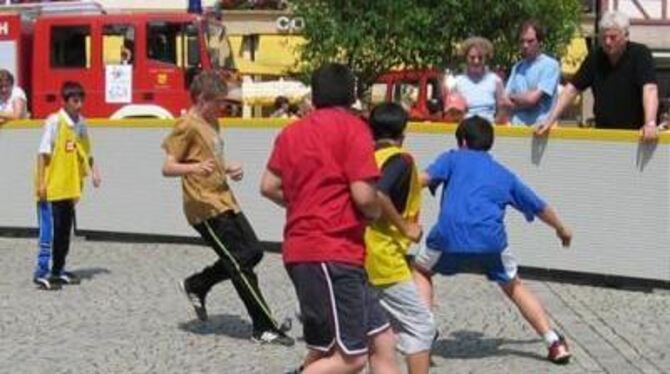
[(322, 170)]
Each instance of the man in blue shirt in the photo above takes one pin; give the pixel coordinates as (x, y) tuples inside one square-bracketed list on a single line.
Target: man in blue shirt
[(532, 84), (470, 232)]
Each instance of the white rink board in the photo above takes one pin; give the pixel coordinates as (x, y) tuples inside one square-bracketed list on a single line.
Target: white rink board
[(614, 194)]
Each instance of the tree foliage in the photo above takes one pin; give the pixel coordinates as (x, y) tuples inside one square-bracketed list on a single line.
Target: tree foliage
[(373, 36)]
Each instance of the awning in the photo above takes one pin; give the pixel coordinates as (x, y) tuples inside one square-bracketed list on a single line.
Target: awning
[(275, 55), (574, 54)]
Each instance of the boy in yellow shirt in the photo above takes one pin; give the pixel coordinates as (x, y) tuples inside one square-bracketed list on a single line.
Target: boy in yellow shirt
[(388, 239), (63, 161)]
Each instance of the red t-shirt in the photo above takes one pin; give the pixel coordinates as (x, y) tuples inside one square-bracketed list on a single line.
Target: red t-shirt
[(317, 158)]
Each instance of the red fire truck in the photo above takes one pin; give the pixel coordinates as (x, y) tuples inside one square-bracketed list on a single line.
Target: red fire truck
[(423, 93), (130, 64)]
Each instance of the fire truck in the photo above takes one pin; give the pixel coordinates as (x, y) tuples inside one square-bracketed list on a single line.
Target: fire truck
[(422, 92), (130, 64)]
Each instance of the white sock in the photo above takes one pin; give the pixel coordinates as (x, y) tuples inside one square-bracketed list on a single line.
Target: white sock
[(550, 337)]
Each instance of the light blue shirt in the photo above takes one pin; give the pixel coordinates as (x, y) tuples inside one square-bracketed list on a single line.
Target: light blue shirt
[(541, 73), (479, 95)]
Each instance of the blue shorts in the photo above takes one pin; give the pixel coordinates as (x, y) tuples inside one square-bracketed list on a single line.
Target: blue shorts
[(500, 267)]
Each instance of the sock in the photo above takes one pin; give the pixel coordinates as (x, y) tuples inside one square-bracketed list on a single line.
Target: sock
[(550, 337)]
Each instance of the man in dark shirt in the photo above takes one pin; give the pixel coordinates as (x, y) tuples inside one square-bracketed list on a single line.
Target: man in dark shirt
[(622, 78)]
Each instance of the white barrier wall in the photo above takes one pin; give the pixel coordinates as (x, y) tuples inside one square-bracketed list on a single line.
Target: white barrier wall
[(613, 191)]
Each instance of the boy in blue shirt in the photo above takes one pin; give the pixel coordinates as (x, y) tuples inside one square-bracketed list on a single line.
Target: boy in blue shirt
[(470, 231)]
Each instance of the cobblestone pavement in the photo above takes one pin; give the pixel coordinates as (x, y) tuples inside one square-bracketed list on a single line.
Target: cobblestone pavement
[(128, 316)]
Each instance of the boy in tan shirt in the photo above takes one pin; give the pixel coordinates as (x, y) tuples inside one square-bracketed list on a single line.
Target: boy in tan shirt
[(194, 152)]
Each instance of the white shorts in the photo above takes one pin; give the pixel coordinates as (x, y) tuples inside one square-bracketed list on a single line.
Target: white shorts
[(412, 321)]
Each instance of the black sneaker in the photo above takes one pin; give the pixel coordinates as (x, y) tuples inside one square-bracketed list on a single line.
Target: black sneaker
[(272, 337), (44, 283), (66, 278), (197, 301)]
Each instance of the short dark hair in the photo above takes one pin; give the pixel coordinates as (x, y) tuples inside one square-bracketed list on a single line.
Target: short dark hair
[(72, 89), (388, 120), (475, 132), (280, 101), (209, 84), (535, 25), (333, 85)]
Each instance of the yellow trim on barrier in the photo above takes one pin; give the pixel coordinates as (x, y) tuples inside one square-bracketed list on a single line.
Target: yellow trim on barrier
[(568, 133)]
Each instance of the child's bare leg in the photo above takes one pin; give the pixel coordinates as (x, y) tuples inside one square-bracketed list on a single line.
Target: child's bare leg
[(528, 305), (424, 284), (418, 363), (382, 353), (312, 356), (337, 363)]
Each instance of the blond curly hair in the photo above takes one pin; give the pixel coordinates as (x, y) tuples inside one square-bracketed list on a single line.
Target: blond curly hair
[(482, 44)]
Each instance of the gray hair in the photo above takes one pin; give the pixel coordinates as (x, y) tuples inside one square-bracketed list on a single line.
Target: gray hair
[(614, 20)]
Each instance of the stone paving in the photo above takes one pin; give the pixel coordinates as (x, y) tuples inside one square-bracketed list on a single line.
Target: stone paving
[(128, 316)]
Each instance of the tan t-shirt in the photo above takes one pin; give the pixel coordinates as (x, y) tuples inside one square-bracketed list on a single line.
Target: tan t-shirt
[(193, 140)]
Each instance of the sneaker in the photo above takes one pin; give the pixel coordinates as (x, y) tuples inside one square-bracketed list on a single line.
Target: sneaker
[(559, 353), (272, 337), (66, 278), (43, 283), (197, 301)]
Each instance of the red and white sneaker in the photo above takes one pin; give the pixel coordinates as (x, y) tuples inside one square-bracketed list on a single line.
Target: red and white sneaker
[(559, 353)]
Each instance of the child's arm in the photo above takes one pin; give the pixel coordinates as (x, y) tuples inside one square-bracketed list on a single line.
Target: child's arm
[(549, 216), (364, 195), (42, 162), (412, 230), (271, 188), (174, 168), (95, 173)]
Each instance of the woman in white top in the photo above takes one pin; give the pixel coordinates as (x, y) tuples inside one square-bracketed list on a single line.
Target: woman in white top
[(12, 99), (482, 90)]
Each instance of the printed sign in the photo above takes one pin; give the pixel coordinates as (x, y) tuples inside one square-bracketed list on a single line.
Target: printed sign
[(118, 84), (4, 28)]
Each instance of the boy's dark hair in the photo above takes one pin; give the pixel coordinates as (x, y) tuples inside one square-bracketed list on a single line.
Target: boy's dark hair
[(475, 132), (209, 84), (281, 101), (333, 85), (72, 89), (388, 120), (6, 76)]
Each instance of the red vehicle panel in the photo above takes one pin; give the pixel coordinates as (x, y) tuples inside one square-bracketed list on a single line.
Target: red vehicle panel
[(154, 56)]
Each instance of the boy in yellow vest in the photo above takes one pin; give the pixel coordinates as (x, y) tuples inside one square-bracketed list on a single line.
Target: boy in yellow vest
[(63, 161), (388, 239)]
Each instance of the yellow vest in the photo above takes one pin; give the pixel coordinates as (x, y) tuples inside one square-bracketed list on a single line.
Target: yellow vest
[(68, 164), (386, 261)]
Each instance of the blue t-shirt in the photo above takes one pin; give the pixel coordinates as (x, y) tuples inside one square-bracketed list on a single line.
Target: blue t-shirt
[(476, 190), (542, 73), (479, 95)]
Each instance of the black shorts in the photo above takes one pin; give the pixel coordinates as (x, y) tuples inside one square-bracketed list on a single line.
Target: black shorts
[(337, 306)]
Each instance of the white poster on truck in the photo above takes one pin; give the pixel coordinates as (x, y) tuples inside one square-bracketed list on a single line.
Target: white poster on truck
[(118, 84)]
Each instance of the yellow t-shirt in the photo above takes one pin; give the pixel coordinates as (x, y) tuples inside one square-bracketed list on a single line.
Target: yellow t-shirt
[(387, 247), (69, 158)]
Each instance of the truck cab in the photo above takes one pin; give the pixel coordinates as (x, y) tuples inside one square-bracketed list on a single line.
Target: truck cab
[(131, 65), (422, 92)]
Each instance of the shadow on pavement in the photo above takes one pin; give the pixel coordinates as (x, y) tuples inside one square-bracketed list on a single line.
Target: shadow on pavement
[(231, 325), (464, 344), (90, 273)]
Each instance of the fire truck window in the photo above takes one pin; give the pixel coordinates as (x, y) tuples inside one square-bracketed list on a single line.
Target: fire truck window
[(434, 100), (118, 44), (70, 46), (191, 46), (406, 94), (378, 93), (162, 41)]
